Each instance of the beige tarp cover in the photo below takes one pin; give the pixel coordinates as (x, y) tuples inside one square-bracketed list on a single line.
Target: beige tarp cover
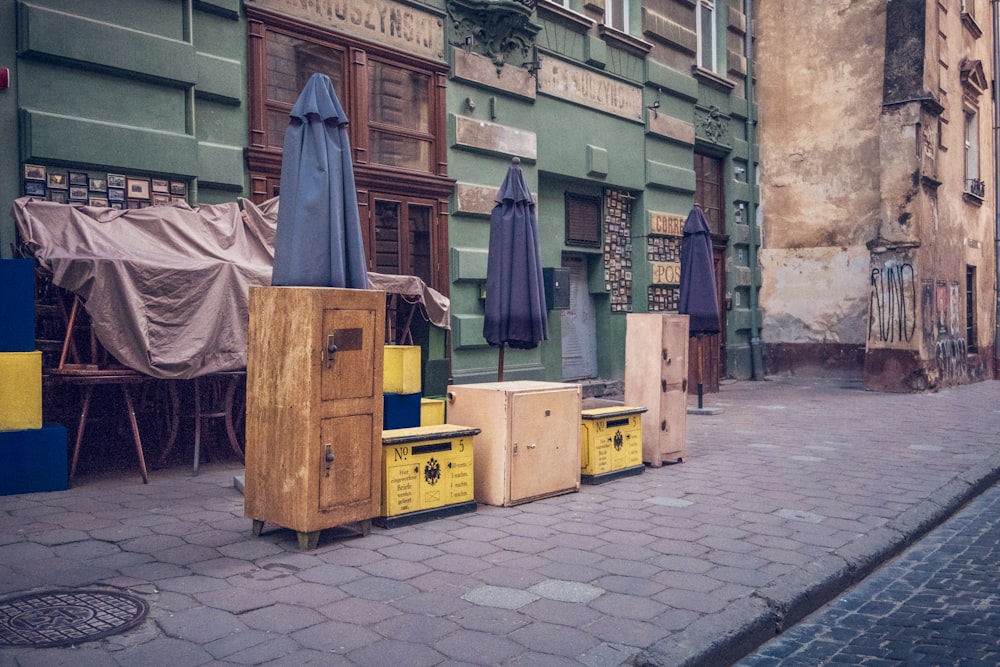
[(166, 287)]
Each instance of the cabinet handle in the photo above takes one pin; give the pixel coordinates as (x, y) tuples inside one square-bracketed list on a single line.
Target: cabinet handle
[(331, 348), (328, 457)]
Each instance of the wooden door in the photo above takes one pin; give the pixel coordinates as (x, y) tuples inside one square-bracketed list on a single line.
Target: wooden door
[(544, 431)]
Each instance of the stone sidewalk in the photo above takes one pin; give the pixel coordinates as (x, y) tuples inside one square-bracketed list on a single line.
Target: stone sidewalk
[(794, 491)]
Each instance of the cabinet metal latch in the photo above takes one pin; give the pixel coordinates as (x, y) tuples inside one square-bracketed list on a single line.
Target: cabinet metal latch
[(331, 348), (328, 457)]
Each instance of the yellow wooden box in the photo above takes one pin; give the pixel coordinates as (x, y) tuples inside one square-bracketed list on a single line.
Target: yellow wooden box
[(427, 472), (20, 391), (610, 443), (431, 411), (401, 370)]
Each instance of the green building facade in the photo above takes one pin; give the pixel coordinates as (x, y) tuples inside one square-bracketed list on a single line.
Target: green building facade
[(623, 115)]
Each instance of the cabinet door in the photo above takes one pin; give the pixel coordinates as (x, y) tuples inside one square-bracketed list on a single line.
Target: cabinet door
[(348, 350), (545, 443), (343, 457)]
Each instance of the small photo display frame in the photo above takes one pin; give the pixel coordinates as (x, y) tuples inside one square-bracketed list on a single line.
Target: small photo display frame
[(58, 180), (133, 203), (161, 185), (116, 194), (137, 188), (34, 172), (178, 188), (77, 178), (98, 201), (117, 205), (98, 185), (34, 188), (78, 193), (58, 196), (160, 199), (116, 181)]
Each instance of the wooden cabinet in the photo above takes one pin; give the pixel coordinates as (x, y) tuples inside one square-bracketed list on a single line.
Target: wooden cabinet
[(656, 370), (314, 408), (528, 446)]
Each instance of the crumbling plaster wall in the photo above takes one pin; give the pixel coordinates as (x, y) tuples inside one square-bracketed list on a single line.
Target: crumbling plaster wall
[(820, 72)]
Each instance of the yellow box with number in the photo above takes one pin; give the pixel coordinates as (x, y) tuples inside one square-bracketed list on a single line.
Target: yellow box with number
[(427, 473), (610, 443), (401, 370)]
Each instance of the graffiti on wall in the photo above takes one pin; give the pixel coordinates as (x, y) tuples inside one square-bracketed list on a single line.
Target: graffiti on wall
[(950, 348), (893, 302)]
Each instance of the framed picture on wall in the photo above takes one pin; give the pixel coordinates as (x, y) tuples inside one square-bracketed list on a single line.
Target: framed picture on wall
[(77, 192), (161, 185), (160, 199), (34, 172), (98, 185), (178, 188), (134, 203), (58, 180), (58, 196), (116, 194), (138, 188), (34, 188), (78, 178), (116, 181), (98, 201)]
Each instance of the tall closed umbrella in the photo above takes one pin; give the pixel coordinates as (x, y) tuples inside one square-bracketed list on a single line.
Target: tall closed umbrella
[(698, 293), (515, 291), (318, 242)]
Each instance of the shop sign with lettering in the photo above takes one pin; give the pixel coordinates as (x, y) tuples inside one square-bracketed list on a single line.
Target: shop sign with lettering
[(666, 273), (384, 21), (665, 224)]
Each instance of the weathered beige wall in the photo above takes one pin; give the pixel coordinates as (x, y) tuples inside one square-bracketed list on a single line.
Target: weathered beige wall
[(819, 146)]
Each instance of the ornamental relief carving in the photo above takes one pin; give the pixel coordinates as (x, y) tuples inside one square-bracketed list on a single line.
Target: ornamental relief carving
[(501, 30), (713, 125)]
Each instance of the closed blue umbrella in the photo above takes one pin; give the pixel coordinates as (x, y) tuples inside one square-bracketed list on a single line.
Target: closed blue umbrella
[(318, 241), (515, 292), (698, 293)]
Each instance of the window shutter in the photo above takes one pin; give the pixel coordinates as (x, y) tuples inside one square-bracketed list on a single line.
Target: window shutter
[(583, 221)]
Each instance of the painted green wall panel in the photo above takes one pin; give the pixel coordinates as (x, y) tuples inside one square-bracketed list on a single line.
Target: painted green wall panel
[(220, 35), (48, 137), (220, 79), (49, 34), (565, 129), (467, 331), (221, 166), (227, 8), (96, 96), (468, 263), (669, 176), (161, 17), (220, 123), (672, 81)]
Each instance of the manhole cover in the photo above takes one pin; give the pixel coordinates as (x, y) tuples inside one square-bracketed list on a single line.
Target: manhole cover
[(58, 618)]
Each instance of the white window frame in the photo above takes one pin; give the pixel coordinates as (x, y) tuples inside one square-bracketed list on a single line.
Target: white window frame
[(610, 13), (708, 57), (971, 148)]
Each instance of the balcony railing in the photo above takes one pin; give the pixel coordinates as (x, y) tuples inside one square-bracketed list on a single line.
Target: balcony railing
[(975, 187)]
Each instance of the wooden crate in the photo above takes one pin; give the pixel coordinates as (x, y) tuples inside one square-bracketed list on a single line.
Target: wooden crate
[(314, 408), (658, 341), (529, 442)]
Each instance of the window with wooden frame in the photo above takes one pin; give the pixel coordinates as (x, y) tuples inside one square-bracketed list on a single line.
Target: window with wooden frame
[(395, 105), (583, 220), (709, 191)]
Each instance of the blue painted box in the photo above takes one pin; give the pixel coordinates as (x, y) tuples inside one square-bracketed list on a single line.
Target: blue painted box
[(17, 305), (401, 411), (34, 460)]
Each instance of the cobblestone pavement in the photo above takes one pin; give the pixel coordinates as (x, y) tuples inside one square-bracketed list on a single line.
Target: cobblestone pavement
[(937, 604), (795, 491)]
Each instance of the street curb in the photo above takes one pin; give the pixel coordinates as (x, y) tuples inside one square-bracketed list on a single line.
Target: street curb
[(748, 624)]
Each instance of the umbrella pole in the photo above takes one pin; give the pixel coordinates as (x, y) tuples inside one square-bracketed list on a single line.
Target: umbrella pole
[(699, 372), (500, 365)]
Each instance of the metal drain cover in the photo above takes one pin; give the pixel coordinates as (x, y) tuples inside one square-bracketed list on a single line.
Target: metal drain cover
[(59, 618)]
